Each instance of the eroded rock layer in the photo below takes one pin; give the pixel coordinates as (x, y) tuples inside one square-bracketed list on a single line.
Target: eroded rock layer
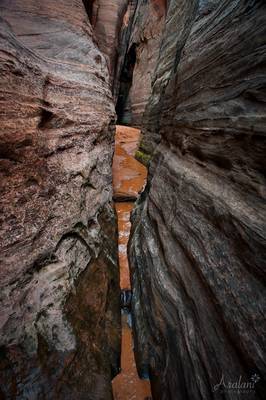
[(108, 19), (197, 250), (146, 21), (60, 316)]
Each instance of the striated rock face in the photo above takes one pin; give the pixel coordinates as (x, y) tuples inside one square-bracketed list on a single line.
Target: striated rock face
[(107, 19), (143, 44), (197, 250), (122, 79), (59, 294)]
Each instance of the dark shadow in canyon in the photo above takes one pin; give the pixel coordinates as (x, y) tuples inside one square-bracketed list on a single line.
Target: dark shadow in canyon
[(88, 4), (123, 116)]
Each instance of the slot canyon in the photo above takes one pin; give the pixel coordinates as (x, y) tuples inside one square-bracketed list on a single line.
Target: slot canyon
[(133, 199)]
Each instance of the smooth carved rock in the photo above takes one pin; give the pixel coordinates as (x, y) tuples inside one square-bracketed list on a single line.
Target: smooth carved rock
[(142, 51), (107, 19), (60, 314), (121, 76), (197, 251)]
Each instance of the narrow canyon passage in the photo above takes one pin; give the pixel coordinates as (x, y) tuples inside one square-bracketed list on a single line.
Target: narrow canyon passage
[(129, 178), (191, 75)]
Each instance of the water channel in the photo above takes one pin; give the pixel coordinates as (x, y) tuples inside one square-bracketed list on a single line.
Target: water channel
[(129, 179)]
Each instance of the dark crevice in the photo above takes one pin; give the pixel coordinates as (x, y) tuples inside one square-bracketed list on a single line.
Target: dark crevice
[(125, 299), (46, 117), (88, 4), (123, 114)]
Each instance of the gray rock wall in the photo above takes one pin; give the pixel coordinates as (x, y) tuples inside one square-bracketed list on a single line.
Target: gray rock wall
[(197, 249)]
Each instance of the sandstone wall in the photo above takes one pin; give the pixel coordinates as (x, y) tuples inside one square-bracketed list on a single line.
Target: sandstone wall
[(140, 60), (107, 19), (59, 294), (197, 250)]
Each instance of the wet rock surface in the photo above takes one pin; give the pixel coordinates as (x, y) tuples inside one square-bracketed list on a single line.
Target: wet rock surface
[(129, 175), (127, 384), (60, 310), (197, 250), (129, 179)]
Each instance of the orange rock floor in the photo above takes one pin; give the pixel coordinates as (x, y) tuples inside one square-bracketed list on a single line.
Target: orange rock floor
[(129, 178)]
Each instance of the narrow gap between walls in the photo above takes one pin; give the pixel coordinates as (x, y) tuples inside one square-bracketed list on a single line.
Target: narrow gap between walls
[(129, 180)]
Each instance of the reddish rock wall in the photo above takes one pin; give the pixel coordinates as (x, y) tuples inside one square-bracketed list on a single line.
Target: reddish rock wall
[(59, 321), (140, 60), (107, 18)]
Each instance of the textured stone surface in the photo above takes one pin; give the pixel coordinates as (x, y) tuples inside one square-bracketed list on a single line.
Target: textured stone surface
[(143, 44), (121, 78), (129, 175), (197, 250), (108, 19), (59, 321)]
